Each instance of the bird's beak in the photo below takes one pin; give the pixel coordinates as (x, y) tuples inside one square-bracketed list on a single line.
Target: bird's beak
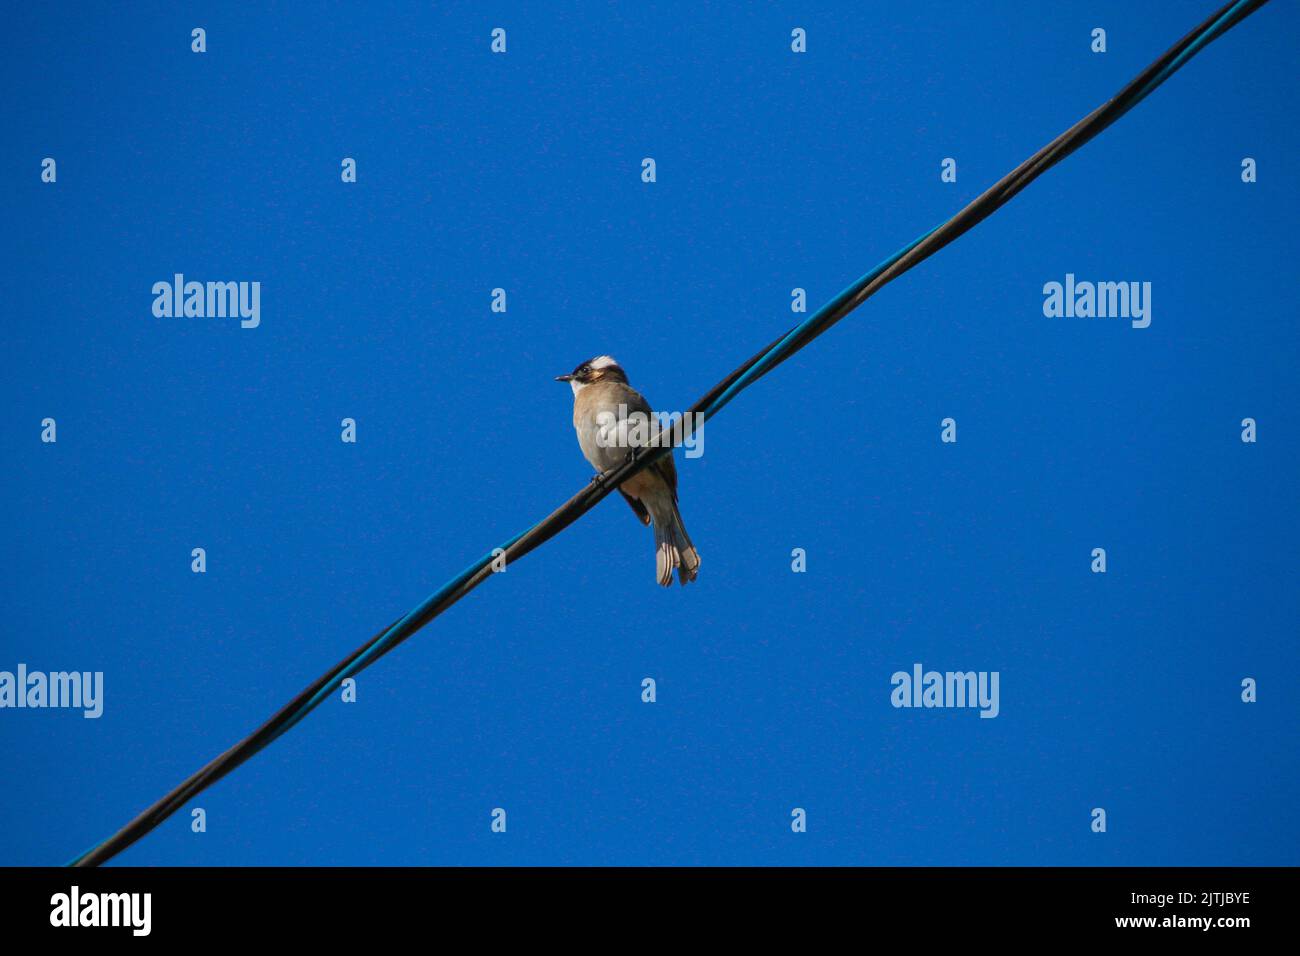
[(564, 378)]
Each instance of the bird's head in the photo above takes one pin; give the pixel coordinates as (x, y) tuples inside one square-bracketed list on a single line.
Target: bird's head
[(602, 368)]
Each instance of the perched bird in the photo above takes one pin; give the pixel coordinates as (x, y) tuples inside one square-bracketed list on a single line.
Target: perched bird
[(607, 415)]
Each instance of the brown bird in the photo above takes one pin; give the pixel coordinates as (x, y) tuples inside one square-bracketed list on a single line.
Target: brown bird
[(611, 418)]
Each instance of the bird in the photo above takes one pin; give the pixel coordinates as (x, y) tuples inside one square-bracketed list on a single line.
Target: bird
[(608, 415)]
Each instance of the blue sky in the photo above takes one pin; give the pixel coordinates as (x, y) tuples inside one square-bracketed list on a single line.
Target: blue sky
[(774, 171)]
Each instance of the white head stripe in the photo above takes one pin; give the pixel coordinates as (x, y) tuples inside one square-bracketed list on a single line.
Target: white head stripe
[(603, 361)]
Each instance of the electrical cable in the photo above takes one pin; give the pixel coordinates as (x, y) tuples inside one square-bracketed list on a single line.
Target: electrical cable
[(709, 405)]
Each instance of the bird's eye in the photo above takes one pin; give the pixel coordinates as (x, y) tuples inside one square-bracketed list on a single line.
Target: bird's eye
[(584, 370)]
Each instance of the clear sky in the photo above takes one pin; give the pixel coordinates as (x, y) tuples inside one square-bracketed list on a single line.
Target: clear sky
[(775, 171)]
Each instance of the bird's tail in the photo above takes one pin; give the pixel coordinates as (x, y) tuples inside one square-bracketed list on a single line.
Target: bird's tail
[(673, 548)]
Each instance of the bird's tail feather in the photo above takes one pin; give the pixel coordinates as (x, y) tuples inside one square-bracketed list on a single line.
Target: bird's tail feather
[(673, 549)]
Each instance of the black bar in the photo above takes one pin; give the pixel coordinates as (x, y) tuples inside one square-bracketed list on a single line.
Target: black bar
[(333, 906)]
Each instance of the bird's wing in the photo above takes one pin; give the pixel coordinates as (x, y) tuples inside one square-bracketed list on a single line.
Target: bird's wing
[(665, 466), (667, 469), (630, 397), (636, 507)]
